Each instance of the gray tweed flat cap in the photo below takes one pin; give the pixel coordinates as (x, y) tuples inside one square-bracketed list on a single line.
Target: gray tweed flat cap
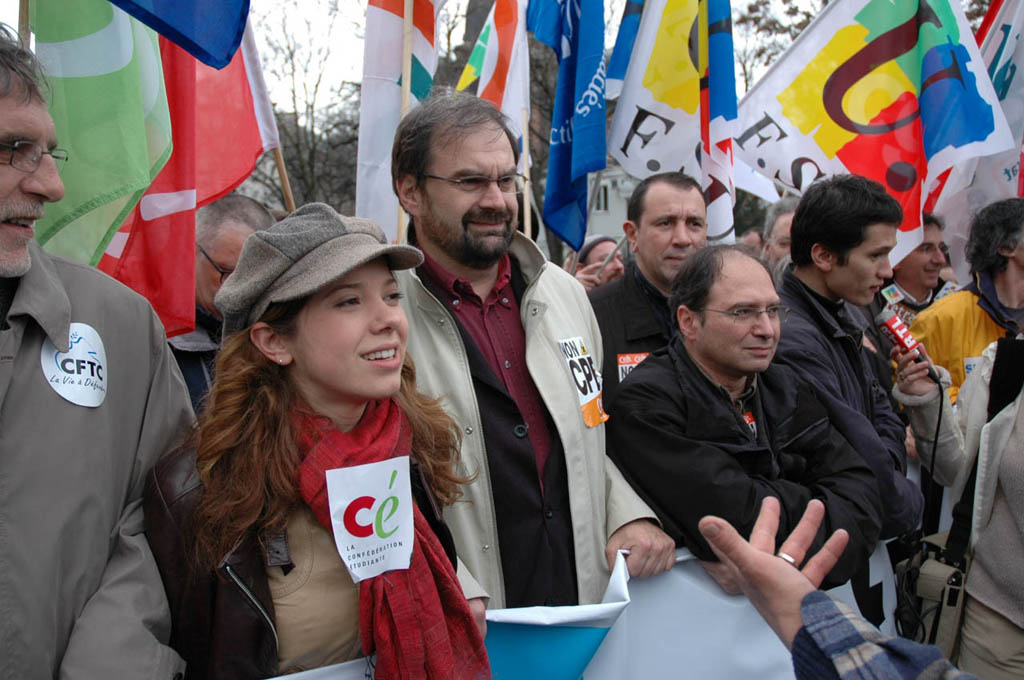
[(294, 258)]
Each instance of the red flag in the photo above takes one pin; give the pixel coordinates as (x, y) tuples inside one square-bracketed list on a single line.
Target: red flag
[(221, 122)]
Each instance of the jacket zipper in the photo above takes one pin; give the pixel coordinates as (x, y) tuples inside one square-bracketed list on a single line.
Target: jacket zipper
[(252, 598)]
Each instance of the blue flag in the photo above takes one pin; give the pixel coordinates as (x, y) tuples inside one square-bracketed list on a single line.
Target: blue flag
[(574, 29), (619, 61), (209, 30)]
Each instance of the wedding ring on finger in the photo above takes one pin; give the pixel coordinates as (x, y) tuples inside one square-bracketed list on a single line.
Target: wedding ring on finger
[(787, 558)]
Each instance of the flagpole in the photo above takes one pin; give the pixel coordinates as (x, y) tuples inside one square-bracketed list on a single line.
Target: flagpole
[(23, 29), (527, 189), (407, 28), (286, 186)]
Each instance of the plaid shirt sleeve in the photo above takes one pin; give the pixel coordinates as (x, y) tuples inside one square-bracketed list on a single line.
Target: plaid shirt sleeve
[(837, 643)]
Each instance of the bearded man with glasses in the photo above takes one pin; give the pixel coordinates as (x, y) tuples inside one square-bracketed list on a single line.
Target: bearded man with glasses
[(709, 425), (509, 343)]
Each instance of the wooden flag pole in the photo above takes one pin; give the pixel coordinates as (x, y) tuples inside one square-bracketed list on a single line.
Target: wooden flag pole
[(286, 186), (527, 188), (407, 29), (23, 29)]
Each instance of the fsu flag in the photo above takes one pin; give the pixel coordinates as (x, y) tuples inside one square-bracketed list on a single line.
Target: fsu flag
[(894, 90)]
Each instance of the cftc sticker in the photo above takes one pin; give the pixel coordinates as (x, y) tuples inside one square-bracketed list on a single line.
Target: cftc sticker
[(80, 374), (586, 378), (372, 517)]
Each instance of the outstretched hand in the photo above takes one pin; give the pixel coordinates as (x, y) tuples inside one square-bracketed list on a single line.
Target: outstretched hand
[(774, 586)]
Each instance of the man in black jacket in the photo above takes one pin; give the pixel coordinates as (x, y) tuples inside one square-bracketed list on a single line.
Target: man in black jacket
[(666, 222), (843, 230), (708, 425)]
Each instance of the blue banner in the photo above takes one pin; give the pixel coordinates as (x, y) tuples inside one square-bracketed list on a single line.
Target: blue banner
[(210, 31), (619, 61), (574, 29)]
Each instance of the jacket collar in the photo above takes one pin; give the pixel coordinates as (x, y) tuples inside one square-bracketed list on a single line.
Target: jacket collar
[(651, 316), (41, 295), (840, 323), (985, 288)]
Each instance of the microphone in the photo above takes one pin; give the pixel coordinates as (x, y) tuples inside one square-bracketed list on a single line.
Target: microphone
[(893, 328)]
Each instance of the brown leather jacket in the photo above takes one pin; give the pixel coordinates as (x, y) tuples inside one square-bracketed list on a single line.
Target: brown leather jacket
[(223, 622)]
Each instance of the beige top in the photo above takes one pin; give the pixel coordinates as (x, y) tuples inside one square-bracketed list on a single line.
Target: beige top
[(316, 604)]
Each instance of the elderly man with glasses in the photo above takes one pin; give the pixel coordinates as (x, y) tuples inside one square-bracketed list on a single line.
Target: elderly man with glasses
[(221, 229), (89, 399), (508, 341), (709, 425)]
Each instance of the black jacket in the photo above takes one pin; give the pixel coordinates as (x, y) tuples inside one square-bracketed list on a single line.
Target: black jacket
[(628, 326), (832, 357), (222, 623), (688, 451)]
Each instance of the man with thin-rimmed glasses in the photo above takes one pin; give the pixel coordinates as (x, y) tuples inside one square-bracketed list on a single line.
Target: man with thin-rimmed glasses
[(709, 425)]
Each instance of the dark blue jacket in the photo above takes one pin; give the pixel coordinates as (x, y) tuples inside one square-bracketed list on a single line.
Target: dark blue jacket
[(826, 348)]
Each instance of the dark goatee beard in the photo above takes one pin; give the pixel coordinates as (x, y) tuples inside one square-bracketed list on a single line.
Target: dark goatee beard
[(474, 254)]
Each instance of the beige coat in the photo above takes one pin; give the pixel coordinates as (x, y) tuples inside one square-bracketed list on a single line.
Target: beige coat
[(554, 307)]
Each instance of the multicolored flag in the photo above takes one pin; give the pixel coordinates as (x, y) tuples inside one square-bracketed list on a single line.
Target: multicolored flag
[(575, 31), (209, 31), (222, 122), (108, 104), (895, 91), (973, 185), (677, 110), (380, 108), (499, 65)]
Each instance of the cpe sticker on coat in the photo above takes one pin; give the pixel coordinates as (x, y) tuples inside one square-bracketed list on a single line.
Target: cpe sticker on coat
[(372, 516), (627, 362), (80, 374), (586, 378)]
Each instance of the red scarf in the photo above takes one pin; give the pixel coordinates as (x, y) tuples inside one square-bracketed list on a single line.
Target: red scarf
[(416, 619)]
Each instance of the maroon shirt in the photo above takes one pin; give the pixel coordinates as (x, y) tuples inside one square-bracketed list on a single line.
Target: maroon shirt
[(496, 328)]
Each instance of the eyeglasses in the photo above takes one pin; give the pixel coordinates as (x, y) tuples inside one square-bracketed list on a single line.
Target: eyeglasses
[(750, 315), (478, 184), (26, 156), (224, 273)]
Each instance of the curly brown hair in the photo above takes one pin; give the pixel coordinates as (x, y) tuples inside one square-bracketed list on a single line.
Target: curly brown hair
[(246, 451)]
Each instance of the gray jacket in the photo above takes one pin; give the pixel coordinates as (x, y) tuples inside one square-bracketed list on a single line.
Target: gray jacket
[(80, 596)]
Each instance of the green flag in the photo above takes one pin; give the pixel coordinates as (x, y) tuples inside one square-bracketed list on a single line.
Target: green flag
[(108, 104)]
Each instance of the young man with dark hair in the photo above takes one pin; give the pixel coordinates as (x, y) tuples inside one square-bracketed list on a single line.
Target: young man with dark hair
[(510, 344), (843, 231), (666, 222), (709, 425), (958, 328)]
